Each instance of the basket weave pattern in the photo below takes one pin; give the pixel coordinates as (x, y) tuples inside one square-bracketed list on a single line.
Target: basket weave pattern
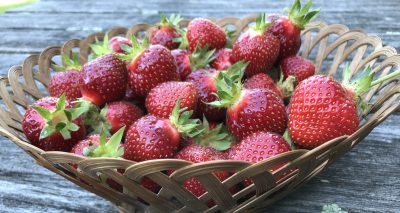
[(329, 46)]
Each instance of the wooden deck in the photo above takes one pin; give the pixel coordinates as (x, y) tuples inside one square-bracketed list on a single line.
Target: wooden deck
[(365, 180)]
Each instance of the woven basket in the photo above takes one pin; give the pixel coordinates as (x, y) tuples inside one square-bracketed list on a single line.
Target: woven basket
[(329, 46)]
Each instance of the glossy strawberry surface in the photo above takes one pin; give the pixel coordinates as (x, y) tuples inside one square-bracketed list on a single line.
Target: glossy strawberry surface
[(121, 113), (116, 42), (162, 98), (223, 59), (262, 81), (298, 67), (183, 62), (66, 82), (259, 50), (205, 32), (288, 35), (164, 35), (151, 67), (149, 138), (204, 82), (104, 80), (321, 110), (256, 110)]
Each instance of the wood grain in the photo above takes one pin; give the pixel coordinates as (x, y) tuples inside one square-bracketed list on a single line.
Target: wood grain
[(365, 180)]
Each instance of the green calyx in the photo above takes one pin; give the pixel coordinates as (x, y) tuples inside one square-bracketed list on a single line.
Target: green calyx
[(201, 57), (68, 63), (112, 148), (363, 83), (261, 24), (181, 119), (58, 120), (229, 86), (135, 50), (182, 40), (288, 139), (94, 117), (172, 21), (218, 138), (301, 16), (286, 86), (100, 48)]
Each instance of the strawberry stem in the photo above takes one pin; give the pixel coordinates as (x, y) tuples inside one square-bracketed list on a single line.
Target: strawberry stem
[(385, 78), (69, 64), (100, 48), (261, 24)]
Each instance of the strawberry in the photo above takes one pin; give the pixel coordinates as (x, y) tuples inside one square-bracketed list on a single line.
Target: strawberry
[(249, 111), (258, 147), (322, 109), (204, 81), (204, 32), (52, 125), (161, 99), (188, 62), (222, 59), (116, 43), (256, 47), (67, 79), (283, 88), (197, 154), (232, 150), (166, 32), (148, 66), (102, 146), (152, 137), (298, 67), (288, 29), (104, 80), (262, 81)]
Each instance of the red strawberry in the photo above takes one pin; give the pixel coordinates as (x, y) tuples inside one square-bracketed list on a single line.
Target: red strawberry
[(249, 111), (322, 109), (162, 98), (262, 81), (102, 146), (258, 147), (283, 88), (287, 29), (151, 137), (298, 67), (197, 154), (204, 82), (232, 150), (256, 47), (51, 124), (166, 32), (223, 59), (120, 114), (149, 66), (204, 32), (116, 43), (67, 79), (188, 62), (104, 80)]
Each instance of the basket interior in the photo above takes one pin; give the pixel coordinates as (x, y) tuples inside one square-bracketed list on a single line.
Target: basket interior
[(329, 46)]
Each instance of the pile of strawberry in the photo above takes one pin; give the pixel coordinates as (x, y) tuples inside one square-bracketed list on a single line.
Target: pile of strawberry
[(184, 94)]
